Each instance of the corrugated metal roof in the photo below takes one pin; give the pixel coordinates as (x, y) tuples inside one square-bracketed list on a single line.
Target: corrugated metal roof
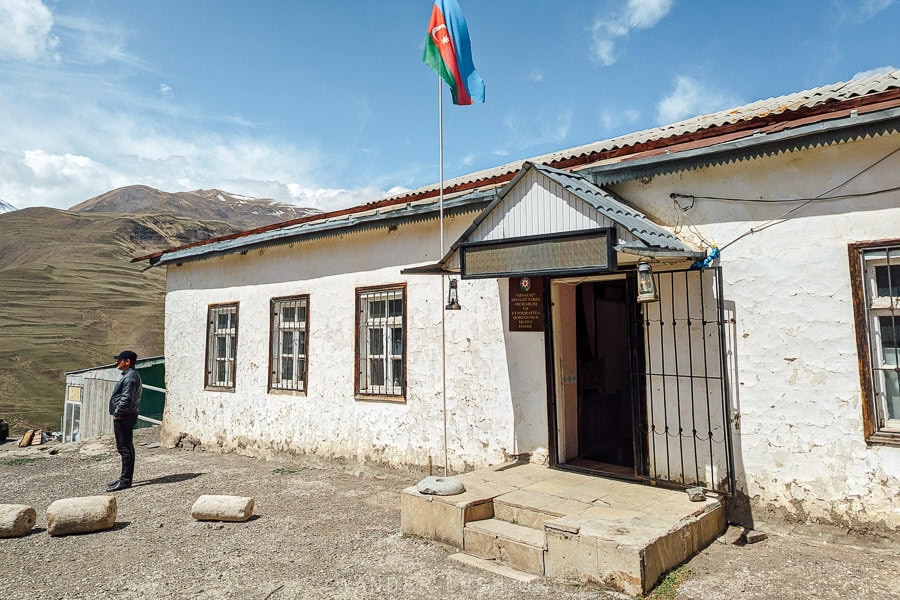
[(419, 204), (781, 105)]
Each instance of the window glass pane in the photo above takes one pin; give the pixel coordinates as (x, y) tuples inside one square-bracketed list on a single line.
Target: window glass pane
[(221, 346), (376, 342), (892, 394), (396, 308), (376, 309), (301, 313), (397, 372), (890, 336), (287, 342), (288, 314), (376, 372), (396, 341), (287, 368), (887, 280), (301, 343), (222, 322), (220, 372)]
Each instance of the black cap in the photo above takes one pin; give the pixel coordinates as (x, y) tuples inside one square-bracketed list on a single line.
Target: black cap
[(126, 354)]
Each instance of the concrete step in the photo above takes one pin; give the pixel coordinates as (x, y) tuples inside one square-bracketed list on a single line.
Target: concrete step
[(519, 547), (492, 566), (532, 509)]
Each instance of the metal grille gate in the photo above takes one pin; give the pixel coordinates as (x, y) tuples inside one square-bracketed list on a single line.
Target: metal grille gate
[(685, 420)]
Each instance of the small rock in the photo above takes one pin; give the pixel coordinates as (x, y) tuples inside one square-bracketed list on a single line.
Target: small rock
[(752, 536), (696, 494)]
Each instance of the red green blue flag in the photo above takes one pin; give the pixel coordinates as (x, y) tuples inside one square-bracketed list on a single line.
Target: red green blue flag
[(449, 53)]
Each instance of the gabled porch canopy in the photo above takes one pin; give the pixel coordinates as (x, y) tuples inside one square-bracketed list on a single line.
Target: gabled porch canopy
[(547, 221)]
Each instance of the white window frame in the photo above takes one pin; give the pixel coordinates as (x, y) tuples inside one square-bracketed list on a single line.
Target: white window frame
[(381, 342), (878, 362), (294, 352), (220, 367)]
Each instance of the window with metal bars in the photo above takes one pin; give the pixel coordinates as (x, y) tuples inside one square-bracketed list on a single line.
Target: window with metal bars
[(221, 346), (875, 271), (380, 341), (288, 351)]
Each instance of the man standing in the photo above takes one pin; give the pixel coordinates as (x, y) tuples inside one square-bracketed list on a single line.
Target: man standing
[(123, 406)]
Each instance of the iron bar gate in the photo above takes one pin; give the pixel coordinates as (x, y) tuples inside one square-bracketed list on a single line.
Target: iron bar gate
[(685, 414)]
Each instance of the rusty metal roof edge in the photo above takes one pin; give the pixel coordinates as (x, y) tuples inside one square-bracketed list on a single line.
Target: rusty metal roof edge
[(828, 132), (469, 203)]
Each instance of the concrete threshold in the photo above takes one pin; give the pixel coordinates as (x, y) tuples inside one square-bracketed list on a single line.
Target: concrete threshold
[(567, 526)]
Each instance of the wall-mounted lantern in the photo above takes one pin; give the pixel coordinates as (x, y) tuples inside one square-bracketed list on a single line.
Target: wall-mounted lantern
[(453, 296), (646, 284)]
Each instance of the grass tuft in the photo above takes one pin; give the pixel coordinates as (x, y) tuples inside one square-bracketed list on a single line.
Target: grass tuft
[(668, 587)]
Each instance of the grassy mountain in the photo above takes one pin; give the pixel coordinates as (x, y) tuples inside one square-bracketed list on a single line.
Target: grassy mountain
[(71, 298), (241, 211)]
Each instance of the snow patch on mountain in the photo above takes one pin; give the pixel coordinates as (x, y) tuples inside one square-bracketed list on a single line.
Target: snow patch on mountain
[(6, 207)]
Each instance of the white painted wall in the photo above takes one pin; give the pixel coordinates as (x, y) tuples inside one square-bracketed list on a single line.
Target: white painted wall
[(496, 389), (800, 447)]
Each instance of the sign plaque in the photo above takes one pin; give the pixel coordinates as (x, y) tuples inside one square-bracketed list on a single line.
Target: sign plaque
[(526, 304)]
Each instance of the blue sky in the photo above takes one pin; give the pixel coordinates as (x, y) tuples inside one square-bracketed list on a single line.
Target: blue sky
[(329, 104)]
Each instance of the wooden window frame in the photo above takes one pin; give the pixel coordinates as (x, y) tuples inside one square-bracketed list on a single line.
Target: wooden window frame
[(274, 340), (361, 393), (874, 430), (210, 331)]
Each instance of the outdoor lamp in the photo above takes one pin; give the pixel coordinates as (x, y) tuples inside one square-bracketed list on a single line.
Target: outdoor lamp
[(645, 283), (453, 296)]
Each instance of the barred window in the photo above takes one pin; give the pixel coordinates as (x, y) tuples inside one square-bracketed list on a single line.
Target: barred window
[(876, 281), (221, 348), (380, 340), (288, 352)]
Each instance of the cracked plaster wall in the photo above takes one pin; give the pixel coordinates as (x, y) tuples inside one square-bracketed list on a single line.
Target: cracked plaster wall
[(496, 390), (800, 447)]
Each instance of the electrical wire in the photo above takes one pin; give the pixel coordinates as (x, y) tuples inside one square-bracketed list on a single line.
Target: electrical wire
[(822, 196), (675, 196)]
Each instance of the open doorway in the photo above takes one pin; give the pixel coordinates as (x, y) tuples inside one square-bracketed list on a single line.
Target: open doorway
[(595, 401)]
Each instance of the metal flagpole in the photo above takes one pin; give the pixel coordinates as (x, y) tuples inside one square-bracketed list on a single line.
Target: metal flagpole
[(443, 295)]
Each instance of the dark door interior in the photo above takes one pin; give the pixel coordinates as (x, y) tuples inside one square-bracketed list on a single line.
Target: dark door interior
[(605, 412)]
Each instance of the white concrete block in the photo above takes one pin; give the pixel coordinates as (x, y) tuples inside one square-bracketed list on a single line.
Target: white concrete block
[(16, 520), (81, 515), (222, 508)]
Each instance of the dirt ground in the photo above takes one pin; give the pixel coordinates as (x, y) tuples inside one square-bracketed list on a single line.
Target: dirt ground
[(323, 530)]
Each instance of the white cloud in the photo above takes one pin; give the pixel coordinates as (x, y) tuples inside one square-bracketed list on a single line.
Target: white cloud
[(25, 32), (607, 31), (165, 90), (691, 98), (536, 76), (856, 12), (538, 130), (617, 121), (875, 71)]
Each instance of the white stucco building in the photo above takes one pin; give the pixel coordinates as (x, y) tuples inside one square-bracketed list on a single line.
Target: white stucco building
[(769, 373)]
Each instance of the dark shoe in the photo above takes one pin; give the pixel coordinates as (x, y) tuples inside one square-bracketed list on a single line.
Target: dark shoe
[(112, 483), (119, 485)]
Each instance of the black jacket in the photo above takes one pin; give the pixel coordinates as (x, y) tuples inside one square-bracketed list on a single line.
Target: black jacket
[(126, 396)]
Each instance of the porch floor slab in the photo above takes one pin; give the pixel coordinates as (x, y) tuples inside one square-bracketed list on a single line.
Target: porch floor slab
[(624, 534)]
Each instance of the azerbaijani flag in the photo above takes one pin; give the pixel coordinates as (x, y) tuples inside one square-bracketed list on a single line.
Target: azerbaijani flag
[(448, 52)]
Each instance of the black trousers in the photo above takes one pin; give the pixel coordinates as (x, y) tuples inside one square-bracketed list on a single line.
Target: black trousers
[(124, 430)]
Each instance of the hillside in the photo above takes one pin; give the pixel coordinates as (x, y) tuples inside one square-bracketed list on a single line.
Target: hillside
[(241, 211), (71, 298)]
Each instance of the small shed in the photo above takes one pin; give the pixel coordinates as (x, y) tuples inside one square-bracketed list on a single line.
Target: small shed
[(86, 413)]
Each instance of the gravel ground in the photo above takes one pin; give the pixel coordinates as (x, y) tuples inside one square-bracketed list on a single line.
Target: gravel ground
[(324, 530)]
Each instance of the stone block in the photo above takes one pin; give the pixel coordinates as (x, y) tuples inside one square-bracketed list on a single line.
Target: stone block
[(519, 547), (222, 508), (81, 515), (16, 520)]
